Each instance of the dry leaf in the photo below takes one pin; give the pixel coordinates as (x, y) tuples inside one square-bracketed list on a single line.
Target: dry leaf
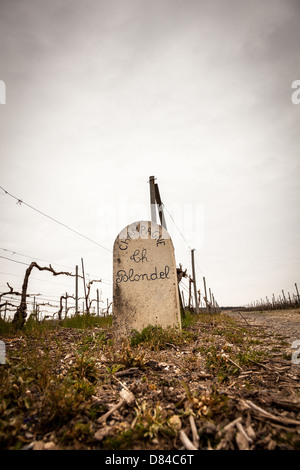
[(175, 422)]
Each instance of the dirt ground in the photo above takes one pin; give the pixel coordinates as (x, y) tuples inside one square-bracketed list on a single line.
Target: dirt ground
[(226, 382), (283, 322)]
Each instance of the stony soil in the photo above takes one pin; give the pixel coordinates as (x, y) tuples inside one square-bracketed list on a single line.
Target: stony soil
[(283, 322), (227, 382)]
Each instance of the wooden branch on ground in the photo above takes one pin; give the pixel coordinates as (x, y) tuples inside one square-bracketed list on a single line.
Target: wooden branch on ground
[(126, 397), (186, 442), (192, 424), (265, 414)]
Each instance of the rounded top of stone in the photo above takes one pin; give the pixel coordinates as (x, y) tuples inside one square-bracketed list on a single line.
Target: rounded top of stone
[(144, 229)]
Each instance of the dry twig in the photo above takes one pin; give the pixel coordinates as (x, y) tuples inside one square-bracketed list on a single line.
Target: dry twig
[(279, 419), (232, 424), (242, 431), (126, 396), (186, 442)]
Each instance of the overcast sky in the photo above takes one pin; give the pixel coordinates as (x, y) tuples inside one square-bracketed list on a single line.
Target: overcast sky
[(102, 94)]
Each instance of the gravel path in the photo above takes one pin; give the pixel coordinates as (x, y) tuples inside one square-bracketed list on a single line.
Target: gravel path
[(285, 323)]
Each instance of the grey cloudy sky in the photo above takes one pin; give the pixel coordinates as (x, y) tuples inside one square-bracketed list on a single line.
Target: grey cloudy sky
[(102, 94)]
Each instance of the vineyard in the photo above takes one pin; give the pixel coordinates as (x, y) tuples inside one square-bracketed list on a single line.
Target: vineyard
[(150, 231), (17, 305), (228, 380)]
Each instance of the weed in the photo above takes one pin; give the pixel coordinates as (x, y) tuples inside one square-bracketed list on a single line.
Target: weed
[(287, 356), (207, 405), (11, 408), (236, 337), (188, 319), (124, 439), (219, 363), (254, 341), (84, 368), (114, 368), (248, 356), (152, 421), (124, 356), (64, 399), (76, 432), (157, 338), (6, 328)]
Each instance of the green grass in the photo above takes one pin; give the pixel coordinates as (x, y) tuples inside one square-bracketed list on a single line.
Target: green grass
[(157, 338), (86, 321), (123, 356), (78, 321), (5, 328), (188, 319), (248, 356), (151, 421), (34, 383)]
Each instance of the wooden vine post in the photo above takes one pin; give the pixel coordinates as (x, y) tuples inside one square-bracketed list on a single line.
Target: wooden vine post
[(194, 279)]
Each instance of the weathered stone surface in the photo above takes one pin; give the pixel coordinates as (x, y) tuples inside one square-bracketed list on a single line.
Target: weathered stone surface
[(145, 289), (2, 352)]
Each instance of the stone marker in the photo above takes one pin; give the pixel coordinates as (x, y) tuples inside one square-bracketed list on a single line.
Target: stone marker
[(145, 288), (2, 352)]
